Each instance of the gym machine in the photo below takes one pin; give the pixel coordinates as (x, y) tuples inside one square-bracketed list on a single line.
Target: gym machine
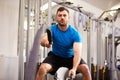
[(76, 8), (110, 71)]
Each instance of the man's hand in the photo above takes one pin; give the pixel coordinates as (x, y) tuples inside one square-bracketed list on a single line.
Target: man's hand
[(46, 39), (44, 42), (72, 73)]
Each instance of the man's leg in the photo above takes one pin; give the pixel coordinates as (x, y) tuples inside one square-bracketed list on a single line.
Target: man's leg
[(43, 70), (83, 68)]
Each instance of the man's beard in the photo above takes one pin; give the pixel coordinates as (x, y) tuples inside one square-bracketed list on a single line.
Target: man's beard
[(62, 24)]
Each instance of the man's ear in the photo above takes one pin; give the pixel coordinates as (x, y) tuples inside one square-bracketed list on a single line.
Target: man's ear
[(56, 17), (68, 18)]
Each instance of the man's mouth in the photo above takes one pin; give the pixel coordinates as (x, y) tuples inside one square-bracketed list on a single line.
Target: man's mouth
[(62, 21)]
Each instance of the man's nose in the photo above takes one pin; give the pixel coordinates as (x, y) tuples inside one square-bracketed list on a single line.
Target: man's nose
[(62, 16)]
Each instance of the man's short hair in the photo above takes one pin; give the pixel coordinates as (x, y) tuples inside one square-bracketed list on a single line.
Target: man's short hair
[(62, 9)]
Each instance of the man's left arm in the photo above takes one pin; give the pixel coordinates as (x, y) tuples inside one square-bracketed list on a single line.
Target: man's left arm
[(77, 54), (77, 46)]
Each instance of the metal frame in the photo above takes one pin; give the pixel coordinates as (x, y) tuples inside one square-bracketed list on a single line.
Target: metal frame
[(111, 55), (21, 40)]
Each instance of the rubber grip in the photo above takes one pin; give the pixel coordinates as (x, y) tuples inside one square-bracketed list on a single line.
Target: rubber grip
[(49, 36)]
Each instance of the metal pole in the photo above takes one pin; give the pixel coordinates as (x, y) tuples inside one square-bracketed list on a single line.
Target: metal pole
[(37, 11), (21, 39), (28, 31), (98, 48), (88, 48), (113, 72), (49, 13)]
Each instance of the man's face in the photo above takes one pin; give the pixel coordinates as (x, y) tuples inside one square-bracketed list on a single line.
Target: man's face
[(62, 18)]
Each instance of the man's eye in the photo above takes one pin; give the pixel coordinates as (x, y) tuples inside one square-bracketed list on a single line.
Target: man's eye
[(64, 15), (59, 15)]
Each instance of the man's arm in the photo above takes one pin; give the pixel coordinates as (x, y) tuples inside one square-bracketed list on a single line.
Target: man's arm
[(77, 46), (77, 54)]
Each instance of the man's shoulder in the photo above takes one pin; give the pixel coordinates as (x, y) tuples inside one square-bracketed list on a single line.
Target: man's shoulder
[(73, 28), (53, 26)]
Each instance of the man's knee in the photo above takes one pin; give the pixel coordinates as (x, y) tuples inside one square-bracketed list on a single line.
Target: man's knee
[(44, 68), (83, 68), (41, 69)]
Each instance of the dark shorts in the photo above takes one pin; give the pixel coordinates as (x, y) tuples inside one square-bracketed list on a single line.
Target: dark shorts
[(57, 62)]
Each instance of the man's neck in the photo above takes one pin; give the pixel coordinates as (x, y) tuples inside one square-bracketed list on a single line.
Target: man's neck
[(63, 28)]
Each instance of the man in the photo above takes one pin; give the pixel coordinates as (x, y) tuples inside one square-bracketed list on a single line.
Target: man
[(66, 48)]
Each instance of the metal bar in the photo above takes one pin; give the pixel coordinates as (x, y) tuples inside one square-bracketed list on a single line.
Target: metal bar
[(88, 49), (37, 11), (99, 45), (107, 11), (113, 72), (21, 39), (49, 12), (75, 8), (28, 31)]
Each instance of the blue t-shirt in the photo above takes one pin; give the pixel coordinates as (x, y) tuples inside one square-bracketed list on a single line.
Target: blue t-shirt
[(63, 41)]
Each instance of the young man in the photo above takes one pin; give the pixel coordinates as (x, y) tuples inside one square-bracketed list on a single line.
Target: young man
[(66, 48)]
